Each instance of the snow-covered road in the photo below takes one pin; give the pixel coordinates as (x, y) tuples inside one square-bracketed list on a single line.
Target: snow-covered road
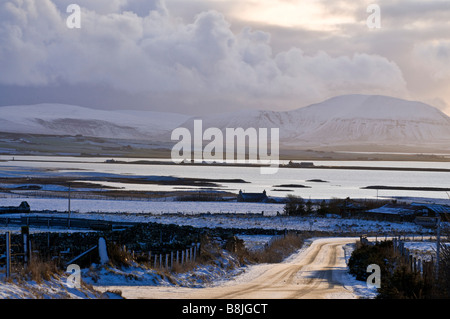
[(318, 271)]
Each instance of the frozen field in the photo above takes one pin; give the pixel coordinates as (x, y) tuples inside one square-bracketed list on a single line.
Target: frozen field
[(221, 214)]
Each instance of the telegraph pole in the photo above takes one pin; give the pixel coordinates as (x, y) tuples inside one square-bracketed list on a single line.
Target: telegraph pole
[(438, 245), (8, 254), (68, 220)]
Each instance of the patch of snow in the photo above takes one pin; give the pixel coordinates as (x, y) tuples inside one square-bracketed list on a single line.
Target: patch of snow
[(54, 288)]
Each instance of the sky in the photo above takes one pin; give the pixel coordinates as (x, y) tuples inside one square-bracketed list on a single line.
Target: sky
[(209, 56)]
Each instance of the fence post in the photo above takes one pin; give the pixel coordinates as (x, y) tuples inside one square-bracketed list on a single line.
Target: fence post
[(171, 259), (438, 246), (178, 255), (26, 243), (8, 254)]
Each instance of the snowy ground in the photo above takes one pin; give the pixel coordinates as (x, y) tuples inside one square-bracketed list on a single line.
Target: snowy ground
[(211, 214), (221, 273), (168, 212), (57, 287), (138, 206), (201, 278)]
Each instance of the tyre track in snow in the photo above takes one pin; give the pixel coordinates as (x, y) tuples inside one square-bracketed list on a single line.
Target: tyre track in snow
[(274, 277), (312, 273)]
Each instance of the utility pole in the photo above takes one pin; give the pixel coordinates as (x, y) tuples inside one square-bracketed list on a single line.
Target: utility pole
[(8, 254), (68, 220), (438, 245)]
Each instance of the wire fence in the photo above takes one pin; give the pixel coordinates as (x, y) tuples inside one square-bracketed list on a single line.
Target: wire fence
[(13, 256), (420, 261)]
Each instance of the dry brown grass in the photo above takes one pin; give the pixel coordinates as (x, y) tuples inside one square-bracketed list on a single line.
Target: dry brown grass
[(38, 270), (277, 251), (280, 249), (118, 256), (185, 267)]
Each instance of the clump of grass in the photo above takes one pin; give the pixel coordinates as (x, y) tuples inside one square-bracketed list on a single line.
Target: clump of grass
[(185, 267), (39, 270), (277, 251), (119, 256)]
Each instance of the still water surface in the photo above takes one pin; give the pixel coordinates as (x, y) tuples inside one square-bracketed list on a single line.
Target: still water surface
[(338, 182)]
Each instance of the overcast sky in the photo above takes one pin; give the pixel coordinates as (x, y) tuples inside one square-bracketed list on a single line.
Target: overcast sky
[(202, 56)]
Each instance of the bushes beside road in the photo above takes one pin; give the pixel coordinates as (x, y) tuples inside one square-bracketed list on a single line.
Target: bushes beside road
[(397, 279)]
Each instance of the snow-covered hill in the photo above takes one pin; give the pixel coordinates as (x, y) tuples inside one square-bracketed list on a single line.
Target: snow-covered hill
[(376, 119), (347, 120), (61, 119)]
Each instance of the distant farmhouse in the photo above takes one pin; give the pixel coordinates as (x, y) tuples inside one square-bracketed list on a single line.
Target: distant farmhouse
[(421, 214), (252, 197)]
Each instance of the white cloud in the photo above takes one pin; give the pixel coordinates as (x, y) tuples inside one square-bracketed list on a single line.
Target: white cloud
[(199, 62), (436, 56)]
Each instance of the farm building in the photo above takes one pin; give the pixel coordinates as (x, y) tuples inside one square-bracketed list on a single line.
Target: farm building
[(427, 214), (394, 212), (252, 197), (409, 212), (432, 209)]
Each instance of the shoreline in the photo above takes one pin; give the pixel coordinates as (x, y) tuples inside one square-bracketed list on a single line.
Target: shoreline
[(299, 165)]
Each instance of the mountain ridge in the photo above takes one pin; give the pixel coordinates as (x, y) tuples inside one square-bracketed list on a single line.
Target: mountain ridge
[(346, 120), (350, 119)]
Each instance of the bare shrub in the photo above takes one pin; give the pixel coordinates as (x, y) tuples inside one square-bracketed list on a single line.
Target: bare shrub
[(118, 255), (279, 249), (275, 252), (185, 267), (38, 270)]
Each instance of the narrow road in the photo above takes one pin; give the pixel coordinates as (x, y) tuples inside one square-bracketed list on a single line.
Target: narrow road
[(316, 272)]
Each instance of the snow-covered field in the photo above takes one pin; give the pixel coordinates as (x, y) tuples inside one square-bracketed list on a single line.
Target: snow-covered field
[(137, 206), (209, 214), (331, 224)]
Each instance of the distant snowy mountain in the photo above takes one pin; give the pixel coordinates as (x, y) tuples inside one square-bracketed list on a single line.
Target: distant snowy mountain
[(343, 121), (348, 120), (61, 119)]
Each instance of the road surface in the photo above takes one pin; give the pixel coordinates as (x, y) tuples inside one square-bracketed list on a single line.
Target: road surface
[(316, 272)]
